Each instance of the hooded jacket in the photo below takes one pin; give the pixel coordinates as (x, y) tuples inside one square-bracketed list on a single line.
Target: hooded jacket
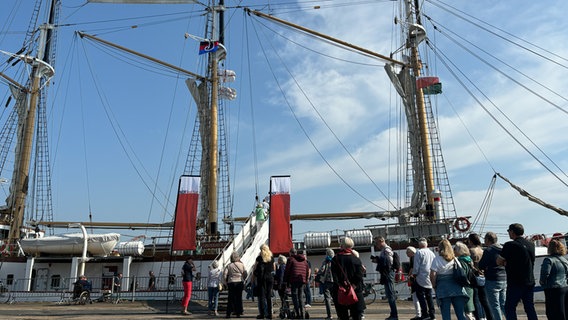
[(297, 269)]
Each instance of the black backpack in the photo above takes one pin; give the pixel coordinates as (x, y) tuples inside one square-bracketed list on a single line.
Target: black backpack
[(395, 261)]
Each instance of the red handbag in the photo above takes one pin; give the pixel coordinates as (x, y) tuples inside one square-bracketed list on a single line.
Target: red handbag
[(346, 295)]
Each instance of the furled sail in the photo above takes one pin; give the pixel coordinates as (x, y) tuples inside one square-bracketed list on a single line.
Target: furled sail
[(532, 198)]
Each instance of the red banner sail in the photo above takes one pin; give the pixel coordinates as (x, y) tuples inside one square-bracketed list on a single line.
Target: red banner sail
[(280, 236), (184, 237)]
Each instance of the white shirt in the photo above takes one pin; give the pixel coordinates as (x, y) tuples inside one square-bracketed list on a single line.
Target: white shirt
[(214, 277), (422, 264), (441, 266)]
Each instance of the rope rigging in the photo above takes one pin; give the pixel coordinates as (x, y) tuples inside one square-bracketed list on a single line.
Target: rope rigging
[(320, 116)]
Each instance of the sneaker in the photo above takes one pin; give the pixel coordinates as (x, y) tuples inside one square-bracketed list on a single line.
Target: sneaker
[(308, 305)]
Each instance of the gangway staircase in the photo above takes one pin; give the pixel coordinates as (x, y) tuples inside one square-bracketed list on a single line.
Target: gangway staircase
[(246, 243)]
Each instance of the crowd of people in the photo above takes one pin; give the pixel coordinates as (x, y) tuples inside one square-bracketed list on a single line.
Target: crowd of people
[(498, 278)]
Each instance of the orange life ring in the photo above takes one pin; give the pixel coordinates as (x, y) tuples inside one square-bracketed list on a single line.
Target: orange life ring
[(462, 224)]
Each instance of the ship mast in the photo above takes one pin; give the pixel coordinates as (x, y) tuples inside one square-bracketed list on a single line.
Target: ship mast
[(416, 34), (211, 228), (41, 69)]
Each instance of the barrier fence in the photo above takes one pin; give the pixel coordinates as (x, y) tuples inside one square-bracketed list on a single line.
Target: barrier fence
[(167, 287)]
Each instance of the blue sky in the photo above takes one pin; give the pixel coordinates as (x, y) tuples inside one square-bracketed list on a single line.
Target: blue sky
[(92, 172)]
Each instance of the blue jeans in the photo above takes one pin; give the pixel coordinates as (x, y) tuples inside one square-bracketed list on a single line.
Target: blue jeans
[(390, 293), (516, 293), (308, 293), (459, 307), (213, 294), (495, 291)]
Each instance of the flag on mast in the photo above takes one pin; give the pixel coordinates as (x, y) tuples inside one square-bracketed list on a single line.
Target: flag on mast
[(208, 46)]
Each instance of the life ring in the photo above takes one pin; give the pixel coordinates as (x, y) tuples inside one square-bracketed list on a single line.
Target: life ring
[(462, 224)]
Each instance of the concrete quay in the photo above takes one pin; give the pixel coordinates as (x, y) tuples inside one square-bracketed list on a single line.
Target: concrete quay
[(139, 310)]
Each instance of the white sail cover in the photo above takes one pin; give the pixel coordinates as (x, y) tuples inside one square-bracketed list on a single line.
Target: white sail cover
[(227, 75), (227, 93)]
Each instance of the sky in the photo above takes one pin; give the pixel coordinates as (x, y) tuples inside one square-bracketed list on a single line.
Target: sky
[(98, 95)]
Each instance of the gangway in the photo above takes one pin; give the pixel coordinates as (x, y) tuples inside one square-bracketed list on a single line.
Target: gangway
[(246, 243)]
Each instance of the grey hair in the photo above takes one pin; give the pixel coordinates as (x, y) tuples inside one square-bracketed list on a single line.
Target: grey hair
[(422, 243), (411, 249), (282, 259), (461, 249), (214, 264), (329, 252), (235, 257), (348, 243)]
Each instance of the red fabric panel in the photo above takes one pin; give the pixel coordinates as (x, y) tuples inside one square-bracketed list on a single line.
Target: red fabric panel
[(423, 82), (280, 237), (185, 222)]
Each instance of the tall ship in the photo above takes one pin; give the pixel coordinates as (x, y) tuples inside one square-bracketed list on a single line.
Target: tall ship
[(126, 121)]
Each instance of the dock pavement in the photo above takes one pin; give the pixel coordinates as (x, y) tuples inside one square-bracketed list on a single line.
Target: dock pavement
[(140, 310)]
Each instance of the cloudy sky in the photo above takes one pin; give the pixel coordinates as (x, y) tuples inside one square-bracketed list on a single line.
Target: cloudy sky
[(307, 93)]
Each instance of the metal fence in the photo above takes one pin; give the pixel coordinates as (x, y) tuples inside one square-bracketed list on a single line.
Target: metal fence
[(167, 287)]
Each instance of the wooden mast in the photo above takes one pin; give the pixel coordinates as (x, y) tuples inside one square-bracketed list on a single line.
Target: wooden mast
[(211, 228), (26, 129), (415, 35)]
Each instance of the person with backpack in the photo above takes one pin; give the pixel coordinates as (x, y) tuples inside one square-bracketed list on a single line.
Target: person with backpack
[(386, 266)]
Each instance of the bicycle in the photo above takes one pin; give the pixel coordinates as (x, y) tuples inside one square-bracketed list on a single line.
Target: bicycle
[(369, 293)]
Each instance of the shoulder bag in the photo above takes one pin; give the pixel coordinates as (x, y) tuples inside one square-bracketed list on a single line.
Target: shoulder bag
[(460, 274), (346, 295)]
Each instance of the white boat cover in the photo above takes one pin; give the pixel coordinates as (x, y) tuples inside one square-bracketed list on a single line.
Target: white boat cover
[(97, 244)]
